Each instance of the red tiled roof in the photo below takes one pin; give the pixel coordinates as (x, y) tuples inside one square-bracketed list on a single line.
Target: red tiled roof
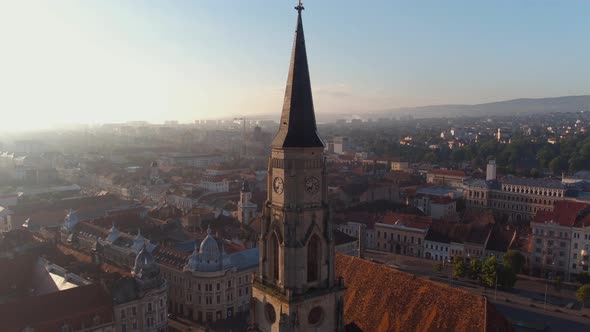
[(76, 307), (16, 273), (410, 303), (566, 213), (408, 220)]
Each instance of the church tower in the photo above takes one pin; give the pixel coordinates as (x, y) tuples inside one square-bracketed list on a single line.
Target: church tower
[(246, 209), (295, 288)]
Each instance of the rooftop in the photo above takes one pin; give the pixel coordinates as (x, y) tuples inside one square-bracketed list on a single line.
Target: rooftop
[(342, 238), (448, 172), (76, 307), (410, 303), (566, 213), (543, 183)]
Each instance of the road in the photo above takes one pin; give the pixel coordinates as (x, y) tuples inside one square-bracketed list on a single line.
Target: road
[(525, 304), (182, 325)]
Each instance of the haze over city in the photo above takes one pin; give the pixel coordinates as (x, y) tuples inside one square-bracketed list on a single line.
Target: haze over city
[(178, 166), (112, 61)]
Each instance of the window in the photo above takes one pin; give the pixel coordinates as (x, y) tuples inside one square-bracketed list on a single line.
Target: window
[(149, 309), (313, 259), (134, 311), (123, 327), (123, 314), (228, 283), (274, 255), (218, 286)]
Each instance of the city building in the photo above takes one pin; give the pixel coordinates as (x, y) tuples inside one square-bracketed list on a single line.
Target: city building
[(206, 284), (346, 244), (516, 198), (446, 177), (212, 285), (402, 233), (362, 229), (140, 302), (341, 144), (438, 207), (561, 240)]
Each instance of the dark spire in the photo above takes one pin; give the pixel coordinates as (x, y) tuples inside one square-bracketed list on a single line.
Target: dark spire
[(298, 127)]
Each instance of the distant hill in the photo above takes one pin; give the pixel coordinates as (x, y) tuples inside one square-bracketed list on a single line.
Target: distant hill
[(509, 107)]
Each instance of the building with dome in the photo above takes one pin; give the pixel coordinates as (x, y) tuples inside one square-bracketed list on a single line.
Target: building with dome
[(210, 284), (140, 302)]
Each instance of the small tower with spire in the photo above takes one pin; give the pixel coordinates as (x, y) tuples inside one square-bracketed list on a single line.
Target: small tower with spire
[(154, 173), (246, 209)]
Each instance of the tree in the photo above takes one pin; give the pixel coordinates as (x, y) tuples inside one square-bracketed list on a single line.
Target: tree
[(545, 155), (578, 163), (515, 260), (489, 272), (474, 268), (506, 276), (460, 268), (584, 278), (437, 267), (558, 164), (583, 294), (535, 172)]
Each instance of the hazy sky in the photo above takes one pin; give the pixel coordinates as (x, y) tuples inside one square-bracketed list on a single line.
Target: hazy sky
[(112, 60)]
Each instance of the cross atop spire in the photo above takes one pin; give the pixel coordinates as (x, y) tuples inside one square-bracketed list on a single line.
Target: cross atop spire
[(300, 7), (298, 127)]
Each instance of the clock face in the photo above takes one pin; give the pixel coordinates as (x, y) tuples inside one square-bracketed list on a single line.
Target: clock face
[(277, 185), (312, 185)]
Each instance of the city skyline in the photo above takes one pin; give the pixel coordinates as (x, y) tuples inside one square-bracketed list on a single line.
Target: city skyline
[(113, 62)]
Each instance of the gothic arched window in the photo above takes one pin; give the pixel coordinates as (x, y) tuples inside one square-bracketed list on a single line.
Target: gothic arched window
[(274, 257), (313, 259)]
